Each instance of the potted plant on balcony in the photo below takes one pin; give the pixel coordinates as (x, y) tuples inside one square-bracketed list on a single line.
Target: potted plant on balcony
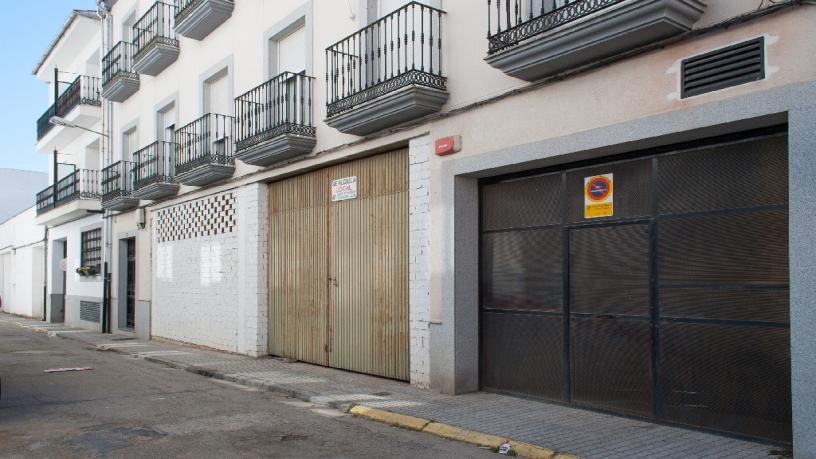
[(86, 271)]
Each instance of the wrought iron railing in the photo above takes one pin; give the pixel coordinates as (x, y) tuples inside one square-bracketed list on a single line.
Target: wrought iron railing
[(401, 49), (84, 90), (279, 106), (158, 25), (207, 140), (118, 61), (117, 180), (154, 163), (80, 184), (509, 22)]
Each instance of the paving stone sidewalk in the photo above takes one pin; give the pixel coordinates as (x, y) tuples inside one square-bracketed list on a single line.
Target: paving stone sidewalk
[(570, 430)]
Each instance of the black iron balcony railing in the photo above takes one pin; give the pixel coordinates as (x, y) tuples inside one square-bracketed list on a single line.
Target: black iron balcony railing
[(117, 181), (207, 140), (279, 106), (510, 22), (80, 184), (154, 163), (184, 7), (84, 90), (157, 24), (118, 61), (401, 49)]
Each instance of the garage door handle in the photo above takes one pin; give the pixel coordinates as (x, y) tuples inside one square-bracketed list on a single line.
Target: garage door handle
[(333, 281)]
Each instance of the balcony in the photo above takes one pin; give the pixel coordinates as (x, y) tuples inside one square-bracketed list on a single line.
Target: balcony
[(534, 39), (274, 121), (204, 151), (154, 171), (387, 73), (73, 197), (84, 90), (154, 40), (197, 18), (119, 81), (117, 187)]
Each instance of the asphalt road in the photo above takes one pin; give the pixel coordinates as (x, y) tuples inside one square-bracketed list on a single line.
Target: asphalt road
[(127, 407)]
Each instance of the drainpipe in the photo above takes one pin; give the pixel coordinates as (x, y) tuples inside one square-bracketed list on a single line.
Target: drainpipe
[(45, 275), (107, 148)]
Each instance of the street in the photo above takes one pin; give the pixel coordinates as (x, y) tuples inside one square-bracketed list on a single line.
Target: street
[(126, 407)]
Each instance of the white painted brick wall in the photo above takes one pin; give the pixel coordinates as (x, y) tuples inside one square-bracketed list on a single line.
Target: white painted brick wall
[(419, 172), (211, 290)]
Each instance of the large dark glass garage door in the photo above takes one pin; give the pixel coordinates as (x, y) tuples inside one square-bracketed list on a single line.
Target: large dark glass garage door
[(673, 308)]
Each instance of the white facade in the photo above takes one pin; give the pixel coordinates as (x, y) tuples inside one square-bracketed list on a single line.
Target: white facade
[(22, 259), (75, 54)]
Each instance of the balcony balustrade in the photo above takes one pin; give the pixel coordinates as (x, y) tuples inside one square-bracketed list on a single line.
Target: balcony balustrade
[(119, 80), (117, 187), (387, 73), (84, 90), (534, 39), (154, 39), (197, 18), (154, 170), (80, 184), (204, 150), (273, 121)]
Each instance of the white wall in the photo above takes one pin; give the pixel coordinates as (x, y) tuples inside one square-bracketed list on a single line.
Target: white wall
[(209, 264), (21, 265)]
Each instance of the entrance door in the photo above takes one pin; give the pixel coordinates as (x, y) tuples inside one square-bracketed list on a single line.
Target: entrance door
[(660, 293), (130, 306), (339, 267)]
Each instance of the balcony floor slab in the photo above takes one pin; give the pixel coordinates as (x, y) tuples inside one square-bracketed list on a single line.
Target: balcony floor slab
[(121, 203), (612, 30), (206, 174), (155, 191), (203, 17), (155, 57), (405, 104), (277, 149), (121, 87)]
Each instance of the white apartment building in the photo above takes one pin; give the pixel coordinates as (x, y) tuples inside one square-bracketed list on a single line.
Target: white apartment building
[(69, 132), (602, 203)]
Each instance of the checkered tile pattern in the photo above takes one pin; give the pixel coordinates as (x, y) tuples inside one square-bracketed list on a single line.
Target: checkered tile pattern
[(209, 216)]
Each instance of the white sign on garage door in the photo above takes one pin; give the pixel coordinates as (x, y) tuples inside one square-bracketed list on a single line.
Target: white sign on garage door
[(344, 188)]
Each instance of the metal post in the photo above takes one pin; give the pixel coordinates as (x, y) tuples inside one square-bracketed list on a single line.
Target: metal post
[(55, 164), (106, 23)]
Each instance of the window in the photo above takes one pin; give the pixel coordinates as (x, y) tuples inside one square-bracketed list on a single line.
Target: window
[(216, 94), (166, 123), (130, 140), (92, 250)]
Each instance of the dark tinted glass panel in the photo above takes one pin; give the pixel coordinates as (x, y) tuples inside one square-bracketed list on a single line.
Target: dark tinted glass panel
[(728, 378), (611, 364), (523, 354), (726, 303), (632, 196), (522, 270), (743, 174), (609, 270), (733, 248), (533, 201)]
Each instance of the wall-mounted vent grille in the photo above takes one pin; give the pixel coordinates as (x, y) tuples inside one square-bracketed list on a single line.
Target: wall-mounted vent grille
[(89, 311), (723, 68)]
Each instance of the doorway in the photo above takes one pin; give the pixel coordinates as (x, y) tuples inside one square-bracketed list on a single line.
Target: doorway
[(127, 289)]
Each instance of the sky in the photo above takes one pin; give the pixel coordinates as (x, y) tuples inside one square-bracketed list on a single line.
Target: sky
[(24, 98)]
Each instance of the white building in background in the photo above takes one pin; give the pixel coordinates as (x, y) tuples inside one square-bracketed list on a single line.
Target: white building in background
[(376, 186), (69, 208), (22, 261)]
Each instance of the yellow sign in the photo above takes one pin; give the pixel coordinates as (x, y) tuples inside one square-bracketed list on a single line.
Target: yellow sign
[(598, 196)]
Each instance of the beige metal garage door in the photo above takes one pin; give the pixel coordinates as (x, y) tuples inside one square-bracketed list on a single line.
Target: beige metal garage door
[(339, 269)]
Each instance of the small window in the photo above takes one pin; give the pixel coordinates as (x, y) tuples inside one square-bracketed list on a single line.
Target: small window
[(92, 250)]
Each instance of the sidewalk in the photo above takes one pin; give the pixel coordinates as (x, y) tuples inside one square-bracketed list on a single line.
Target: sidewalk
[(567, 430)]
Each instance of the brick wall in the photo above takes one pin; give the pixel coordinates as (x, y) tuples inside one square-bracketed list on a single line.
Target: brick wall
[(419, 153), (209, 271)]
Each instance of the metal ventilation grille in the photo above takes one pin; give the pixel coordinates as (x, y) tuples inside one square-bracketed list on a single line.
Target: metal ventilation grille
[(89, 311), (723, 68)]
